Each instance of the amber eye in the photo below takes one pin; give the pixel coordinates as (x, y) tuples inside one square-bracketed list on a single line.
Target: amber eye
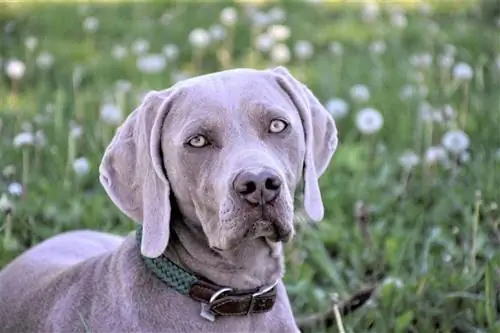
[(277, 126), (198, 141)]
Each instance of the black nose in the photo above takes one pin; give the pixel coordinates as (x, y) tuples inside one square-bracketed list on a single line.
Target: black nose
[(257, 187)]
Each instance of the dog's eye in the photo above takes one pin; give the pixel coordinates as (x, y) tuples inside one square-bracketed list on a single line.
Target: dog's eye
[(198, 141), (277, 126)]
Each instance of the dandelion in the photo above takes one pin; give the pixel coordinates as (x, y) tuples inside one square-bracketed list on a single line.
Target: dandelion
[(464, 157), (336, 48), (445, 61), (260, 19), (337, 107), (199, 38), (359, 93), (217, 32), (409, 160), (370, 11), (75, 131), (90, 24), (23, 139), (264, 42), (31, 43), (303, 49), (15, 189), (5, 204), (40, 138), (448, 112), (450, 49), (140, 46), (369, 121), (81, 166), (9, 171), (421, 60), (455, 141), (229, 16), (425, 8), (44, 60), (462, 72), (425, 111), (280, 54), (119, 52), (435, 154), (377, 47), (171, 51), (111, 114), (15, 69), (391, 281), (276, 14), (279, 32), (398, 20), (151, 64), (123, 86)]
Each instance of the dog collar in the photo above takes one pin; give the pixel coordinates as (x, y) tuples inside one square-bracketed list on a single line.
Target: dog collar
[(215, 300)]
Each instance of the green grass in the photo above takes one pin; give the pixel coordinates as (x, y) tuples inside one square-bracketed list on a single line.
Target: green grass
[(428, 237)]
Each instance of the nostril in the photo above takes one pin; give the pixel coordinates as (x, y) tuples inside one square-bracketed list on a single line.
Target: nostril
[(272, 183), (247, 188)]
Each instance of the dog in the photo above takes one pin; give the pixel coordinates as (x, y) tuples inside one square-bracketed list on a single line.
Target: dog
[(208, 169)]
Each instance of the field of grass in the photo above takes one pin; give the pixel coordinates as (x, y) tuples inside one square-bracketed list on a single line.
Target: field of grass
[(411, 195)]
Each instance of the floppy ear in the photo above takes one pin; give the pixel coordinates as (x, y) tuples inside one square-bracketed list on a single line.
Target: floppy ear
[(321, 138), (133, 174)]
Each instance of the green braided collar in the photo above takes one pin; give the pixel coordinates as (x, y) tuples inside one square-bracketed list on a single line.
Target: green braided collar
[(168, 271)]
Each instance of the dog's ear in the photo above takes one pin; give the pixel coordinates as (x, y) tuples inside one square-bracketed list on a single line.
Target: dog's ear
[(133, 175), (321, 138)]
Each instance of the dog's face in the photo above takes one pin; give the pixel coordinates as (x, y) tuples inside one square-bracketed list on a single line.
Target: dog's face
[(233, 161), (230, 147)]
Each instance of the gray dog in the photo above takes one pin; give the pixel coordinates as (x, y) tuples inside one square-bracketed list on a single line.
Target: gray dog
[(208, 169)]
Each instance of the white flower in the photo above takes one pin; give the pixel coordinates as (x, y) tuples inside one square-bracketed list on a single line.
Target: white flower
[(81, 166), (377, 47), (303, 49), (455, 141), (435, 154), (171, 51), (449, 112), (464, 157), (409, 91), (399, 20), (31, 43), (75, 131), (445, 61), (462, 72), (23, 139), (396, 282), (123, 86), (279, 32), (450, 49), (264, 42), (90, 24), (15, 189), (337, 107), (409, 160), (15, 69), (44, 60), (276, 14), (280, 54), (199, 38), (426, 111), (119, 52), (359, 93), (260, 19), (111, 114), (370, 11), (5, 204), (9, 171), (40, 138), (369, 121), (217, 32), (140, 46), (151, 64), (425, 8), (229, 16), (336, 48), (421, 60)]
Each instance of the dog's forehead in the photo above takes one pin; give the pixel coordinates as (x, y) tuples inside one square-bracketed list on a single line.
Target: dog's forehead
[(215, 95)]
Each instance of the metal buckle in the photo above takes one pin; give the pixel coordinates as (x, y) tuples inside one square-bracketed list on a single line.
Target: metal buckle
[(262, 291), (206, 309)]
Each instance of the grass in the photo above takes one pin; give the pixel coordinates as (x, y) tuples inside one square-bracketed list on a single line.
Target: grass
[(425, 235)]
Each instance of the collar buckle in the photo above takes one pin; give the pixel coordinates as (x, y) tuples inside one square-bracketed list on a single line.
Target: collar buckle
[(206, 309), (261, 291)]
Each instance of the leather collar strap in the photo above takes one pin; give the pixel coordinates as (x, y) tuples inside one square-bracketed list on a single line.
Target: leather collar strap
[(215, 300)]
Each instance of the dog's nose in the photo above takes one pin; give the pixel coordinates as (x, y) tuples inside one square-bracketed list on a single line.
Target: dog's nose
[(257, 187)]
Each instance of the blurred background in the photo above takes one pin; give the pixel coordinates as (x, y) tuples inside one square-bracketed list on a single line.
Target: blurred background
[(411, 234)]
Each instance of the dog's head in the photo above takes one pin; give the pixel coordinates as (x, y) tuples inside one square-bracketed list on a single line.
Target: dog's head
[(230, 148)]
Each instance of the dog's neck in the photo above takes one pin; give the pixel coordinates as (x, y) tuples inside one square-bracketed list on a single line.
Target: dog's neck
[(253, 264)]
